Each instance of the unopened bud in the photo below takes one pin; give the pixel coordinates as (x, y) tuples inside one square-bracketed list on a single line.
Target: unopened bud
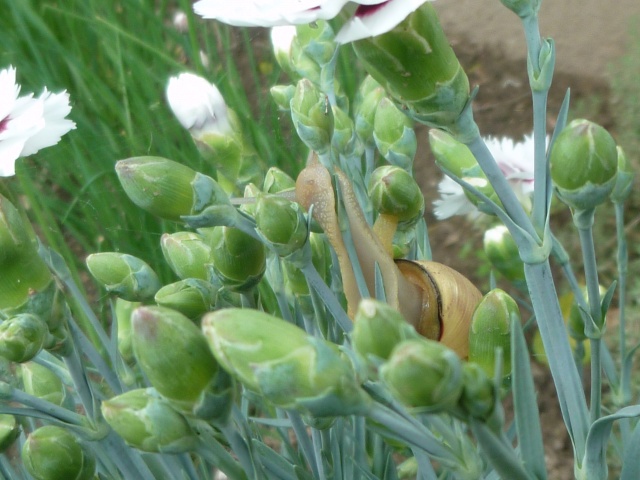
[(424, 374), (123, 311), (394, 135), (523, 8), (282, 95), (283, 364), (22, 337), (312, 116), (502, 251), (277, 180), (192, 297), (453, 155), (173, 354), (491, 329), (148, 422), (53, 453), (9, 431), (478, 397), (584, 164), (624, 178), (41, 382), (393, 191), (187, 254), (282, 223), (124, 275)]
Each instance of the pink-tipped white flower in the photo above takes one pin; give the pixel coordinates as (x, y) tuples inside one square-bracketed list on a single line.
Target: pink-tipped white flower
[(516, 161), (28, 124), (198, 105), (371, 18)]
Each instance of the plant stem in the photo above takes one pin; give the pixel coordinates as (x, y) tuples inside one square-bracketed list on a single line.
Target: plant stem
[(623, 261)]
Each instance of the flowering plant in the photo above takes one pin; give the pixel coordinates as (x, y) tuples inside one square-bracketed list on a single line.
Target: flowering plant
[(294, 324)]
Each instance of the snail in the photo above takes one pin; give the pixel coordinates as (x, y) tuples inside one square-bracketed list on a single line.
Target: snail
[(437, 300)]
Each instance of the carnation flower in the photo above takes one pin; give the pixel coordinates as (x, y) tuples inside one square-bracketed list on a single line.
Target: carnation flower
[(28, 124), (516, 161), (198, 105), (371, 18)]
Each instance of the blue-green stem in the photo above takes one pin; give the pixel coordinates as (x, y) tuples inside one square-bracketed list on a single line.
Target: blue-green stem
[(211, 450), (556, 344), (583, 220), (623, 261)]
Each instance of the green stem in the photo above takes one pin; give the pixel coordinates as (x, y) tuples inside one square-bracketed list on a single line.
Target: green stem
[(583, 219), (623, 261), (556, 344)]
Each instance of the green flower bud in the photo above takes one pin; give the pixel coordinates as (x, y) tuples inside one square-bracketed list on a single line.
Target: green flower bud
[(418, 68), (187, 254), (277, 180), (453, 155), (282, 363), (124, 275), (483, 186), (123, 311), (22, 337), (46, 304), (41, 382), (282, 223), (192, 297), (584, 163), (173, 354), (523, 8), (502, 251), (344, 138), (23, 271), (491, 329), (238, 259), (281, 40), (53, 453), (624, 179), (378, 328), (393, 191), (169, 189), (394, 135), (317, 41), (371, 93), (9, 431), (424, 374), (312, 116), (478, 397), (148, 422), (282, 95)]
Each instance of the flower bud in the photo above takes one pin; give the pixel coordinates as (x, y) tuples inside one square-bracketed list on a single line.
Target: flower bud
[(123, 311), (124, 275), (395, 192), (9, 431), (22, 337), (453, 155), (502, 251), (378, 328), (277, 180), (624, 179), (39, 381), (148, 422), (282, 363), (169, 189), (239, 260), (282, 223), (312, 116), (478, 397), (187, 254), (23, 271), (418, 68), (491, 329), (282, 95), (370, 93), (53, 453), (317, 41), (523, 8), (394, 135), (344, 139), (424, 374), (584, 162), (191, 297), (173, 354)]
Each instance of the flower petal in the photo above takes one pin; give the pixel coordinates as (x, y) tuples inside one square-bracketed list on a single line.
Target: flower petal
[(55, 108), (376, 18)]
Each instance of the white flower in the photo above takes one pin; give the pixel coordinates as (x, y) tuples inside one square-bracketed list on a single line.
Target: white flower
[(516, 162), (28, 124), (372, 17), (281, 38), (198, 105)]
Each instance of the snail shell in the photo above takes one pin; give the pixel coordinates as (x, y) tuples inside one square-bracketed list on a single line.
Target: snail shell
[(448, 302)]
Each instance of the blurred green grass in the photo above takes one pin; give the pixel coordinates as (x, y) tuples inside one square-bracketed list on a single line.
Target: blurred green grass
[(115, 58)]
